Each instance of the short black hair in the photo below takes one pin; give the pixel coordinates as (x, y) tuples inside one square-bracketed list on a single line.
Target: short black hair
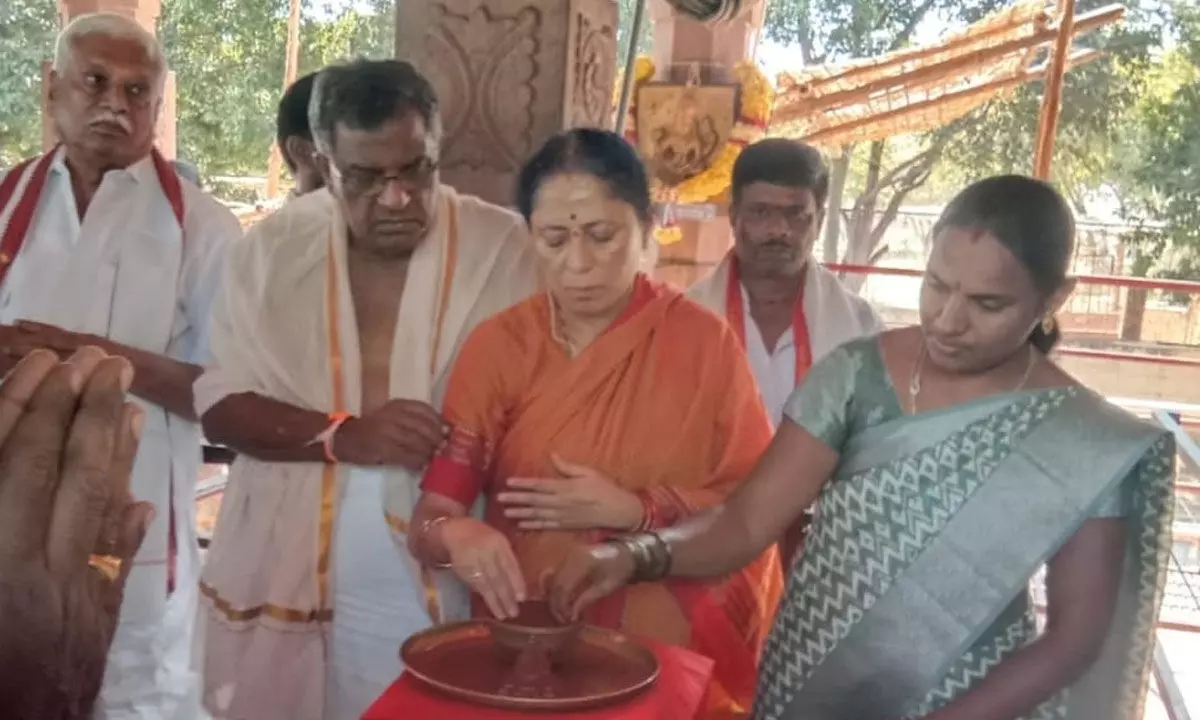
[(365, 94), (779, 161), (602, 154), (292, 117), (1031, 219)]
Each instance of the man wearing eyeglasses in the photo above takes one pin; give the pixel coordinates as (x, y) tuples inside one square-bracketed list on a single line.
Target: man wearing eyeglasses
[(339, 317), (786, 309)]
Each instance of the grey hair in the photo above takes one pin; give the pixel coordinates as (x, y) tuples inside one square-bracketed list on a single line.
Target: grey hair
[(365, 94), (109, 25)]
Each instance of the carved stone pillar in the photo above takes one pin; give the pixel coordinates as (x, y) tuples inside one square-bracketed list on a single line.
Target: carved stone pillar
[(146, 13), (509, 74), (714, 49)]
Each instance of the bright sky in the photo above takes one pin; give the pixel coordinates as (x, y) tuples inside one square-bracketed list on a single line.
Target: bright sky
[(775, 58)]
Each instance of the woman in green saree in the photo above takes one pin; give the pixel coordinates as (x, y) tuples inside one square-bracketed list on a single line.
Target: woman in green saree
[(948, 463)]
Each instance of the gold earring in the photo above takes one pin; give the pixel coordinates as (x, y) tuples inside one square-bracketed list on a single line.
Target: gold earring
[(1048, 325)]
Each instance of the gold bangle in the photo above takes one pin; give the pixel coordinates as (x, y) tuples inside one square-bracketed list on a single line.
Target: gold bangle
[(426, 528)]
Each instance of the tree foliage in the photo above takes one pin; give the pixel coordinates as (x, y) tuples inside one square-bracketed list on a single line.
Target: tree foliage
[(1161, 165), (228, 59), (229, 56), (27, 29), (1100, 101)]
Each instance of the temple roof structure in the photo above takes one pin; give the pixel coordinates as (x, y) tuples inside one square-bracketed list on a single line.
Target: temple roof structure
[(923, 88)]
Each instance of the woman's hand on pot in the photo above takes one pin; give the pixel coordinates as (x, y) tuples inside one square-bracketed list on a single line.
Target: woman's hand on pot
[(589, 573), (483, 558)]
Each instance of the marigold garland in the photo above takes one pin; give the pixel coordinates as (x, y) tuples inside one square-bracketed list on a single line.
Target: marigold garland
[(754, 112)]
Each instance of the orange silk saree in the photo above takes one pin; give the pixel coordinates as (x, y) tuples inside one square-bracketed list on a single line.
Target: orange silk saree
[(663, 403)]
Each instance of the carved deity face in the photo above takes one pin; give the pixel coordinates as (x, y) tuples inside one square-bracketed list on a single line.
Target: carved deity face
[(385, 180), (589, 244), (106, 100)]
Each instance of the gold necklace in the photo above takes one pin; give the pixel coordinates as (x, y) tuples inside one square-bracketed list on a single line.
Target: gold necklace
[(914, 381)]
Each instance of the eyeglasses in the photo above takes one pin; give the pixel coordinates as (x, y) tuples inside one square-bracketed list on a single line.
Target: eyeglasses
[(371, 182)]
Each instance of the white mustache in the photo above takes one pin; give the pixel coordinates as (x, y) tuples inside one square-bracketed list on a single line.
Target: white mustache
[(112, 118)]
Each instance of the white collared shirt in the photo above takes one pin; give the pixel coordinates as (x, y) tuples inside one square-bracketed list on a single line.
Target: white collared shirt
[(775, 371), (56, 231)]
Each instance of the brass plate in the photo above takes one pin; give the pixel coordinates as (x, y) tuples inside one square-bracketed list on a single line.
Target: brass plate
[(601, 668)]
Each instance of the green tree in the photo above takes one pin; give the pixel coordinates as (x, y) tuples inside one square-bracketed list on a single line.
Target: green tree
[(1099, 108), (1155, 171), (27, 30), (228, 57), (834, 31), (999, 137)]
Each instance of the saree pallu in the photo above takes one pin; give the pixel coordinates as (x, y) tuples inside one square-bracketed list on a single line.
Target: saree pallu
[(663, 403), (914, 580)]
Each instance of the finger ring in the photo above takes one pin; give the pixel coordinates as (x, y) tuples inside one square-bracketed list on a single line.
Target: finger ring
[(107, 565)]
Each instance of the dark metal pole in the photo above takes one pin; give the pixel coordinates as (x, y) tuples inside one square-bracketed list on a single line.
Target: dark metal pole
[(639, 14)]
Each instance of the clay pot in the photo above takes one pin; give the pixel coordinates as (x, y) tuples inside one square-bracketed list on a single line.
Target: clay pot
[(535, 637)]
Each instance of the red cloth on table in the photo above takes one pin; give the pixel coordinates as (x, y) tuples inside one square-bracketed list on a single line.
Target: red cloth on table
[(681, 684)]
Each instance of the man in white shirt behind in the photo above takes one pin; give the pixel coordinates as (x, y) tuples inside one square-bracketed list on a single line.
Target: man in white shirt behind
[(787, 310), (102, 243)]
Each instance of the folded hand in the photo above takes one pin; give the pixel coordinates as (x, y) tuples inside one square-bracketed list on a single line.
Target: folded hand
[(67, 446), (581, 499), (403, 433)]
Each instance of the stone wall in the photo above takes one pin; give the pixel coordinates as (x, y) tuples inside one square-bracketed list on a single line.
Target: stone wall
[(510, 74)]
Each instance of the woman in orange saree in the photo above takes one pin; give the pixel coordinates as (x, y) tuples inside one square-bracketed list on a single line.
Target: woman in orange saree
[(609, 404)]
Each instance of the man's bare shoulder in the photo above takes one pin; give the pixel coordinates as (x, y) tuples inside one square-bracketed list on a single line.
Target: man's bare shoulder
[(284, 237), (296, 223), (483, 221)]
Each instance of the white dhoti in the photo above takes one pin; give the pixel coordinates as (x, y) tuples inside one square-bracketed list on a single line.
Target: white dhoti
[(309, 588), (377, 608)]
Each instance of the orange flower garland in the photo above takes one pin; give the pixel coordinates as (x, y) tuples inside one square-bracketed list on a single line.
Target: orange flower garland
[(754, 112)]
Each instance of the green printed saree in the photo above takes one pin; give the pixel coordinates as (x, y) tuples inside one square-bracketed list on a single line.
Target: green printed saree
[(914, 578)]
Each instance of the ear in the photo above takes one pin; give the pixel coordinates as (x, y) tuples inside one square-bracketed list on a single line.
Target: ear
[(321, 162), (52, 85), (299, 150), (1060, 296)]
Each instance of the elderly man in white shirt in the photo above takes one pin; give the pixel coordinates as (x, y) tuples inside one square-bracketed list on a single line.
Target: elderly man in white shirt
[(102, 243)]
